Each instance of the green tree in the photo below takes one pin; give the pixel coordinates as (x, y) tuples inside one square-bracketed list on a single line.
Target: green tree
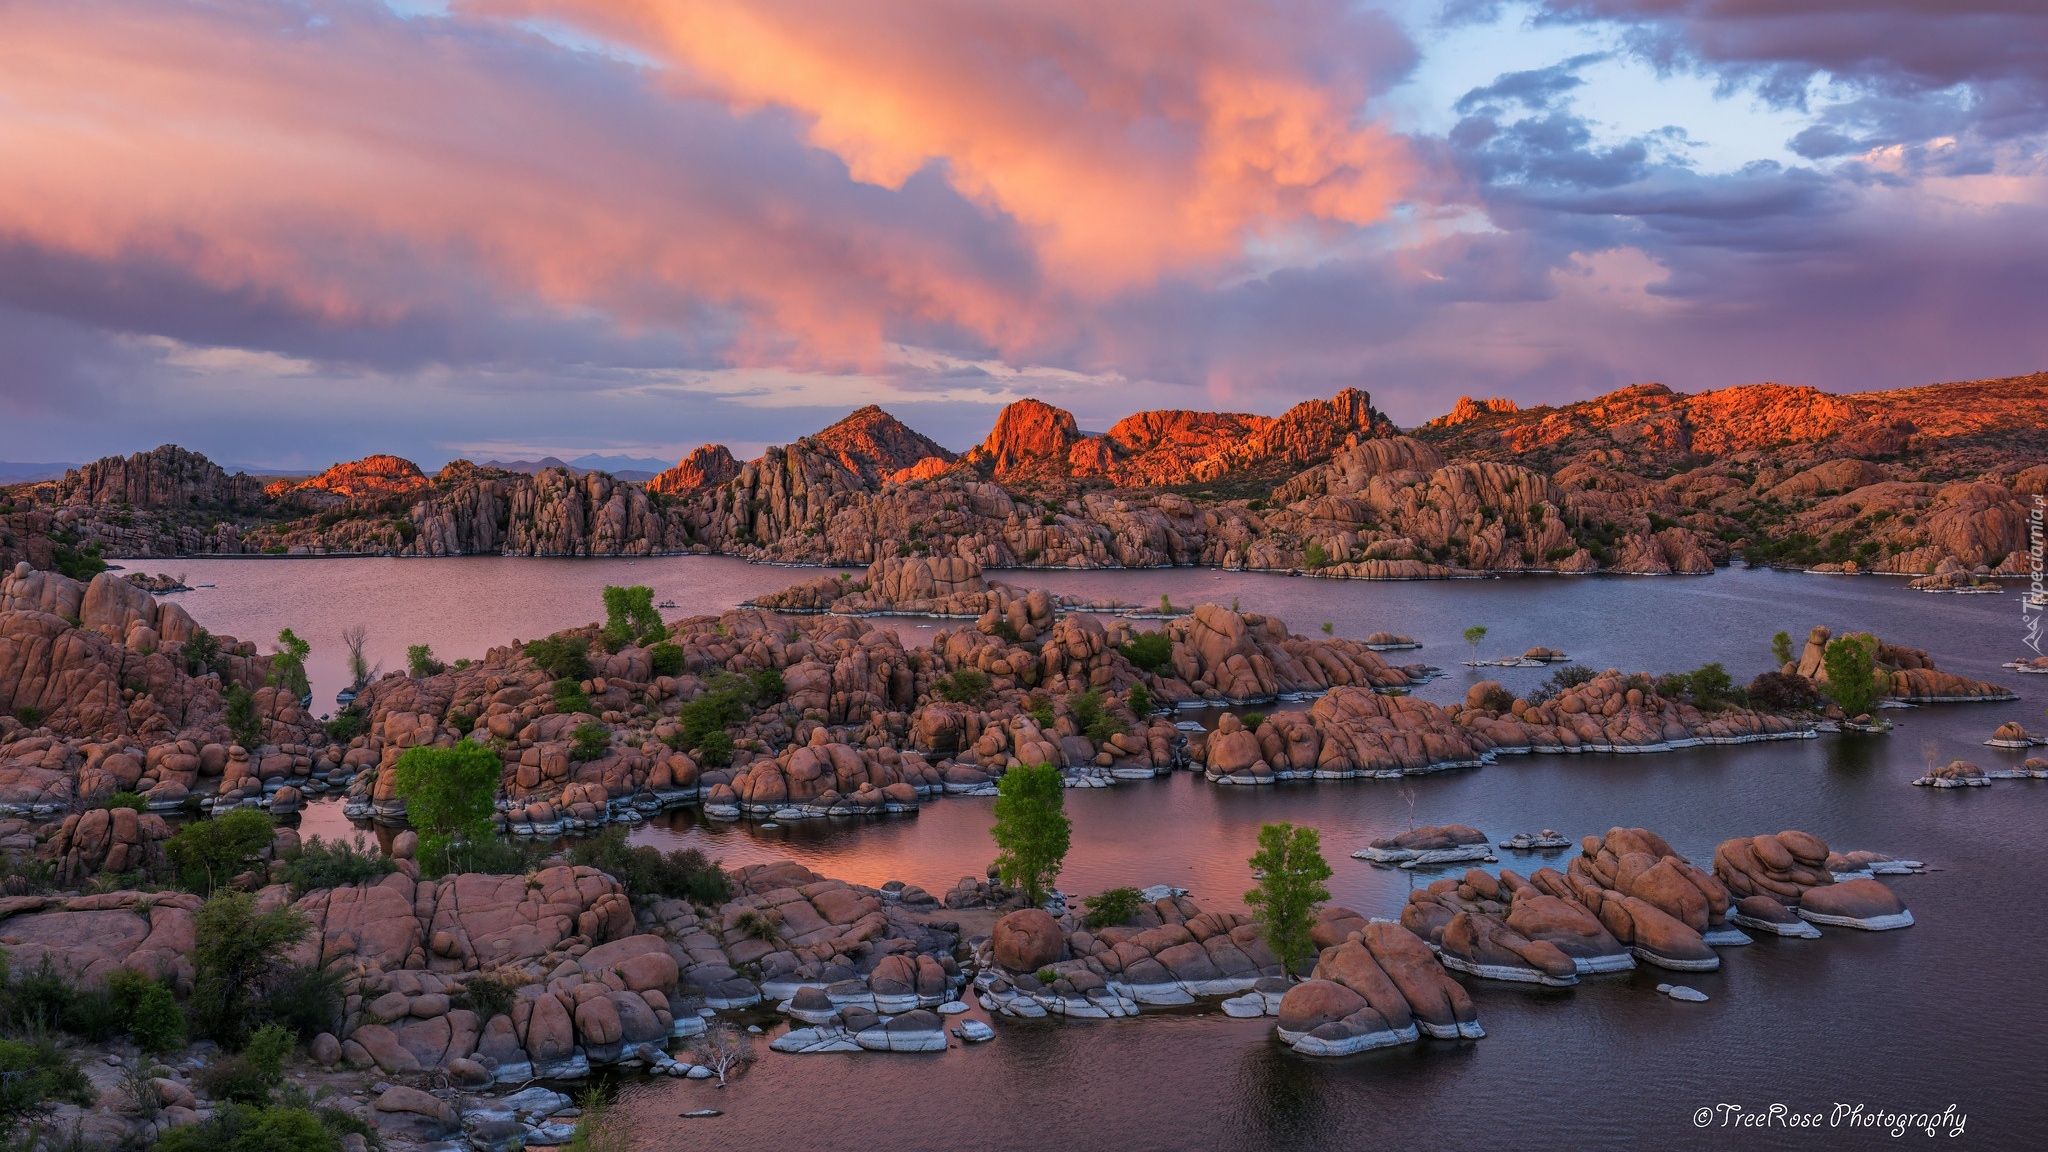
[(288, 664), (33, 1076), (1150, 651), (1473, 636), (630, 617), (1291, 871), (1781, 649), (565, 657), (590, 741), (1852, 672), (235, 950), (209, 853), (1031, 831), (200, 652), (147, 1009), (241, 719), (447, 793), (419, 660)]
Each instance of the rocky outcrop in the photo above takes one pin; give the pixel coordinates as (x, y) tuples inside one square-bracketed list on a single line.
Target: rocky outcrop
[(1170, 953), (1506, 928), (1378, 987), (1428, 845), (1906, 674), (707, 467), (168, 477), (874, 445), (372, 478), (1662, 907)]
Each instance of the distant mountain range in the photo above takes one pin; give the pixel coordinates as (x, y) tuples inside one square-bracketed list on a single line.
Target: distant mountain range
[(17, 472), (623, 467)]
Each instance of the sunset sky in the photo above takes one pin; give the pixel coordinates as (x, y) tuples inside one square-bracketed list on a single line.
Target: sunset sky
[(286, 233)]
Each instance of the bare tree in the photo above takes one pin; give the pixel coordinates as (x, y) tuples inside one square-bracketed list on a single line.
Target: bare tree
[(724, 1049), (1407, 792), (358, 668)]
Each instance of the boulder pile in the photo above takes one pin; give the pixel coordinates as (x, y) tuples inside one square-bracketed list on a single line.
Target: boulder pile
[(1955, 774), (1773, 877), (1506, 928), (1171, 952), (1379, 986)]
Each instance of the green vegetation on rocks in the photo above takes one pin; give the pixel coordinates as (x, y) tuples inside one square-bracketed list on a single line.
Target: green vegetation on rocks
[(1291, 870), (1031, 829)]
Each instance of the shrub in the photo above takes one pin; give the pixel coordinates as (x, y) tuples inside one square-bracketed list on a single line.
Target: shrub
[(29, 715), (236, 951), (241, 719), (345, 726), (1140, 700), (1782, 693), (35, 1076), (1112, 907), (768, 686), (1564, 678), (209, 853), (714, 749), (1710, 686), (964, 686), (235, 1079), (147, 1010), (570, 698), (1150, 651), (448, 793), (129, 800), (249, 1128), (487, 996), (1251, 720), (1092, 718), (645, 871), (590, 741), (1314, 556), (304, 999), (667, 658), (1039, 708), (200, 652), (332, 864), (420, 662), (565, 657)]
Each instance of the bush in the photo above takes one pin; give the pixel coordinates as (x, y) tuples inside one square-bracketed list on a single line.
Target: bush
[(667, 658), (345, 726), (132, 801), (35, 1076), (964, 686), (332, 864), (209, 853), (1140, 701), (1039, 708), (235, 1079), (768, 686), (1112, 907), (646, 871), (565, 657), (147, 1010), (590, 741), (420, 662), (1567, 677), (487, 996), (487, 854), (303, 999), (714, 749), (249, 1128), (1782, 693), (288, 664), (448, 793), (1150, 651), (1092, 718), (200, 652), (570, 698), (1710, 686), (241, 719), (1314, 556), (29, 715), (236, 952), (1251, 720)]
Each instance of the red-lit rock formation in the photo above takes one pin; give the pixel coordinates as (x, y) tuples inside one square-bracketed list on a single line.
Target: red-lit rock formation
[(707, 467), (371, 478)]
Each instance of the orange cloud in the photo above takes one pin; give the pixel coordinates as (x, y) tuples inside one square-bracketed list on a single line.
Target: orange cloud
[(357, 170), (1130, 138)]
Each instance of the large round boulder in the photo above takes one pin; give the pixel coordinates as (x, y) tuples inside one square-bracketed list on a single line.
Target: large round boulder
[(1027, 940), (1861, 903)]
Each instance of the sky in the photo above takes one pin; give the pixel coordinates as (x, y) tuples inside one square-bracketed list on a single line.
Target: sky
[(290, 232)]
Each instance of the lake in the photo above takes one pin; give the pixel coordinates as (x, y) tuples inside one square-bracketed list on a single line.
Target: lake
[(1914, 1020)]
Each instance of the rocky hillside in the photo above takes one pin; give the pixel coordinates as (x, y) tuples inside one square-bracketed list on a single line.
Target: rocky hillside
[(1642, 480)]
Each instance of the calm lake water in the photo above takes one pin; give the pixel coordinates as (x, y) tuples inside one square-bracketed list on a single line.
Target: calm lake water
[(1947, 1012)]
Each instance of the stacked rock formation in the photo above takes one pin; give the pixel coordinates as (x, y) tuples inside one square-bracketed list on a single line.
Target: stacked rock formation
[(1906, 674), (1428, 845), (1506, 928), (1170, 953), (1662, 907), (1774, 876), (1378, 986)]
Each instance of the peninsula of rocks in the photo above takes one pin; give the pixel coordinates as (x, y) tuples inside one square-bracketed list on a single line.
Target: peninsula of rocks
[(1930, 482)]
